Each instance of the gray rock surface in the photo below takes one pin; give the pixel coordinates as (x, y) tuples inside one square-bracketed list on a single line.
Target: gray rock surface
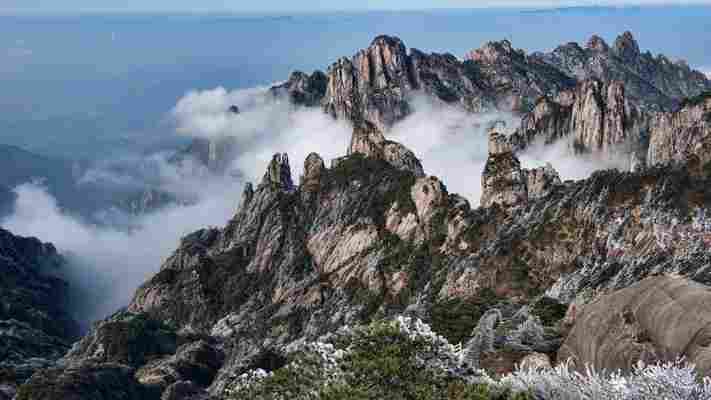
[(303, 89), (660, 318)]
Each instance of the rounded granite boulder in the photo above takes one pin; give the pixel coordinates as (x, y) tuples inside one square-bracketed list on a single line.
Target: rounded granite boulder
[(661, 318)]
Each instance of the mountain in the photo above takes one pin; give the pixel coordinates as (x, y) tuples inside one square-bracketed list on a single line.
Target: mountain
[(371, 255), (35, 327), (19, 166), (60, 177), (63, 181), (374, 86), (7, 200)]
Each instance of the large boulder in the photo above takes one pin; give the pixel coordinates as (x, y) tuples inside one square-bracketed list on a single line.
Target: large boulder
[(658, 318)]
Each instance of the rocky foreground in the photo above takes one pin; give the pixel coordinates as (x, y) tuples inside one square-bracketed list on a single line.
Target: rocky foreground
[(601, 272)]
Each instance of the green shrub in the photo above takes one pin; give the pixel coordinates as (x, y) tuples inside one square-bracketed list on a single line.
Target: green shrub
[(455, 319)]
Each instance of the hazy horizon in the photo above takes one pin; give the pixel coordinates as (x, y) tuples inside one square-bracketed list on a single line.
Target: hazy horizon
[(268, 7)]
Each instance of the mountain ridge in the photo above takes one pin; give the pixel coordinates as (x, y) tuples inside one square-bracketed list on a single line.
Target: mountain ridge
[(374, 237)]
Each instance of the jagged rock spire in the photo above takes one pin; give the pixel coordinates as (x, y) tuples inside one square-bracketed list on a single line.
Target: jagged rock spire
[(313, 170), (247, 193), (371, 86), (498, 141), (504, 181), (370, 142), (596, 43), (279, 172), (626, 47)]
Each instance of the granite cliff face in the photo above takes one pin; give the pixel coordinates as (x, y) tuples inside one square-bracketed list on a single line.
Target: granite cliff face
[(596, 117), (35, 327), (676, 136)]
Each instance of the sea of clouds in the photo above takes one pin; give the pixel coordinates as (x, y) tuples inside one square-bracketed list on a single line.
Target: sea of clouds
[(107, 263)]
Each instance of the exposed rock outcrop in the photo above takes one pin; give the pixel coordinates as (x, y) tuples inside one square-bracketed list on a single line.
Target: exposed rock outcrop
[(303, 89), (515, 79), (373, 89), (651, 82), (597, 117), (660, 318), (505, 182), (85, 381), (370, 142), (130, 356), (674, 137), (279, 173)]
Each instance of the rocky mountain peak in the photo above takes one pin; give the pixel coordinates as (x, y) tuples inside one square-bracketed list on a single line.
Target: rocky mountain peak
[(498, 140), (279, 172), (314, 168), (626, 47), (303, 89), (370, 142), (504, 181), (496, 52), (597, 44)]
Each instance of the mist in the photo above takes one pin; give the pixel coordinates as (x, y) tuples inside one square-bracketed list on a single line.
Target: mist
[(264, 126), (451, 143), (105, 264), (108, 262), (571, 166)]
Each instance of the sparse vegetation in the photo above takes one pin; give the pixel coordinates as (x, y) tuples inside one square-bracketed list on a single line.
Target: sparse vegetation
[(386, 359), (695, 100), (456, 318), (549, 310)]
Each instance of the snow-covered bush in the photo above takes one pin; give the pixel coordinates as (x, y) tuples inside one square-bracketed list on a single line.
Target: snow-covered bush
[(667, 381), (405, 359)]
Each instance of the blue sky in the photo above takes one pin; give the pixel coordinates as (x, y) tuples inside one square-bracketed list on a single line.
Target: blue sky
[(69, 6)]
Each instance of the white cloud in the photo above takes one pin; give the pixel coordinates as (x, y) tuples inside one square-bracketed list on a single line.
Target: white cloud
[(568, 164), (451, 143), (108, 264), (263, 127)]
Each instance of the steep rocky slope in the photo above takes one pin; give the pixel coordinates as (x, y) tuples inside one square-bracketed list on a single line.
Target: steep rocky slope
[(35, 328), (365, 239)]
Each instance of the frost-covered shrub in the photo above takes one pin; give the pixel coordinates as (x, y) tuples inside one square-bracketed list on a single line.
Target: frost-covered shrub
[(405, 359), (668, 381)]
